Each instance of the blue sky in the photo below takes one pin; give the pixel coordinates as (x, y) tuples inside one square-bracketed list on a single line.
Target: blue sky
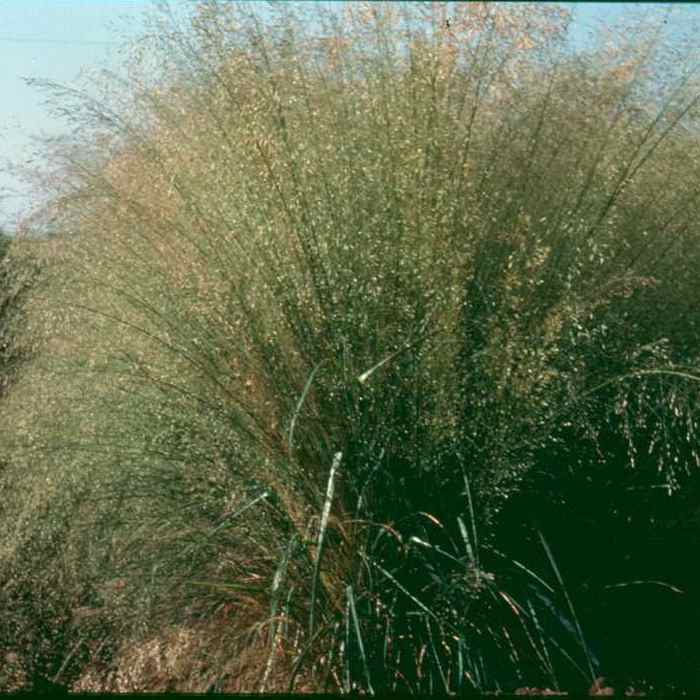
[(56, 39)]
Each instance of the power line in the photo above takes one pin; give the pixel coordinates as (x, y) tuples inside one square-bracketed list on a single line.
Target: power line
[(46, 40)]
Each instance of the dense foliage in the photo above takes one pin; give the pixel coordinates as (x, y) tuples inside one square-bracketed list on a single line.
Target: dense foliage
[(347, 317)]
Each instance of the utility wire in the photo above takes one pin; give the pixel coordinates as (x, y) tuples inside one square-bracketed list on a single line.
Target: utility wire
[(40, 40)]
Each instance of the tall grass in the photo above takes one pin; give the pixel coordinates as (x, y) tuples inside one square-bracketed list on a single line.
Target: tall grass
[(318, 304)]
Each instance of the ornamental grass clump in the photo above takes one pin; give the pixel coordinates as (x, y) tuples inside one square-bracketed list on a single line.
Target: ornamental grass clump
[(323, 293)]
